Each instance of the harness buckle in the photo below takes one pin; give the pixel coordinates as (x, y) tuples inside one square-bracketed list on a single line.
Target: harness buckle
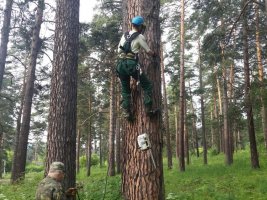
[(138, 66)]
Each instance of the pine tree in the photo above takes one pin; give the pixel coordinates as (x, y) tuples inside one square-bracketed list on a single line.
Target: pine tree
[(61, 139), (166, 113), (182, 90), (4, 39), (18, 169), (140, 178), (248, 104)]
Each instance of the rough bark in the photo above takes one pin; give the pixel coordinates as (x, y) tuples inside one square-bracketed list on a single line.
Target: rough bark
[(226, 135), (224, 97), (226, 132), (231, 83), (100, 148), (232, 122), (204, 142), (182, 92), (186, 138), (140, 179), (4, 39), (212, 131), (261, 76), (20, 160), (176, 114), (194, 128), (89, 138), (219, 94), (118, 134), (195, 136), (61, 139), (18, 124), (220, 112), (78, 143), (218, 136), (1, 151), (166, 114), (248, 105), (112, 125)]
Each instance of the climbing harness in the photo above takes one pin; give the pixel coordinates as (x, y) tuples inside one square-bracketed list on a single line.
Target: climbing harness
[(139, 73), (126, 48)]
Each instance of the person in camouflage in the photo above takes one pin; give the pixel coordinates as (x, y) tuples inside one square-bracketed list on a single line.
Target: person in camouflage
[(50, 188)]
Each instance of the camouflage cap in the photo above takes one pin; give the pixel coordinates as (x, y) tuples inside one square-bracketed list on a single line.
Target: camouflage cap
[(57, 166)]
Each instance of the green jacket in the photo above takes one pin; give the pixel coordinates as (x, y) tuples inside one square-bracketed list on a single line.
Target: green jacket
[(50, 189)]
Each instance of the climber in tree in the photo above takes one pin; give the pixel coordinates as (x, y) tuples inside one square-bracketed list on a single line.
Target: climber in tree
[(128, 66)]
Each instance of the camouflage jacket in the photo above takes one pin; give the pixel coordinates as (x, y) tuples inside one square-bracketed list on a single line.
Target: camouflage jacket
[(50, 189)]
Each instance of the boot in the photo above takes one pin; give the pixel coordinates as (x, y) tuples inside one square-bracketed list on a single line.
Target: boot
[(151, 112), (127, 114)]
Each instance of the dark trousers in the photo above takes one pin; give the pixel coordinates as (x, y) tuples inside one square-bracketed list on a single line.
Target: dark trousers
[(126, 68)]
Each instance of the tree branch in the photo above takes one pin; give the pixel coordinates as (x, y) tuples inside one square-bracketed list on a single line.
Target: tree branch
[(259, 3), (234, 25), (47, 56), (19, 61)]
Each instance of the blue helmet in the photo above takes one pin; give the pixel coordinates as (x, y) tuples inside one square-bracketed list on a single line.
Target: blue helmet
[(138, 20)]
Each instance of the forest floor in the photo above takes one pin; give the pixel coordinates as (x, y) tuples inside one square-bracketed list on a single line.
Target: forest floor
[(214, 181)]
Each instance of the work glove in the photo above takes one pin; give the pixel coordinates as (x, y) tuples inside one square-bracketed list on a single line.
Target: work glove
[(152, 53), (71, 192)]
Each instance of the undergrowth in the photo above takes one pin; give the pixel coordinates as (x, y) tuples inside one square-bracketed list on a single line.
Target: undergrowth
[(214, 181)]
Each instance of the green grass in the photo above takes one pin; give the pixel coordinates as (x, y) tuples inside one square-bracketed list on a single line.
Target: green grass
[(94, 185), (214, 181), (25, 190)]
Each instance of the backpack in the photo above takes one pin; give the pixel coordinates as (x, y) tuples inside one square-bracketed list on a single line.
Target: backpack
[(126, 48)]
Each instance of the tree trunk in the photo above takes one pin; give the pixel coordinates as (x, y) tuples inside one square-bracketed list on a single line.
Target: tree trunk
[(89, 138), (220, 126), (78, 143), (212, 132), (21, 154), (216, 115), (100, 148), (219, 94), (176, 114), (61, 139), (111, 144), (231, 82), (195, 136), (118, 134), (227, 148), (225, 131), (140, 178), (261, 76), (1, 151), (4, 39), (232, 122), (182, 93), (194, 128), (18, 124), (204, 142), (166, 113), (186, 138), (248, 104)]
